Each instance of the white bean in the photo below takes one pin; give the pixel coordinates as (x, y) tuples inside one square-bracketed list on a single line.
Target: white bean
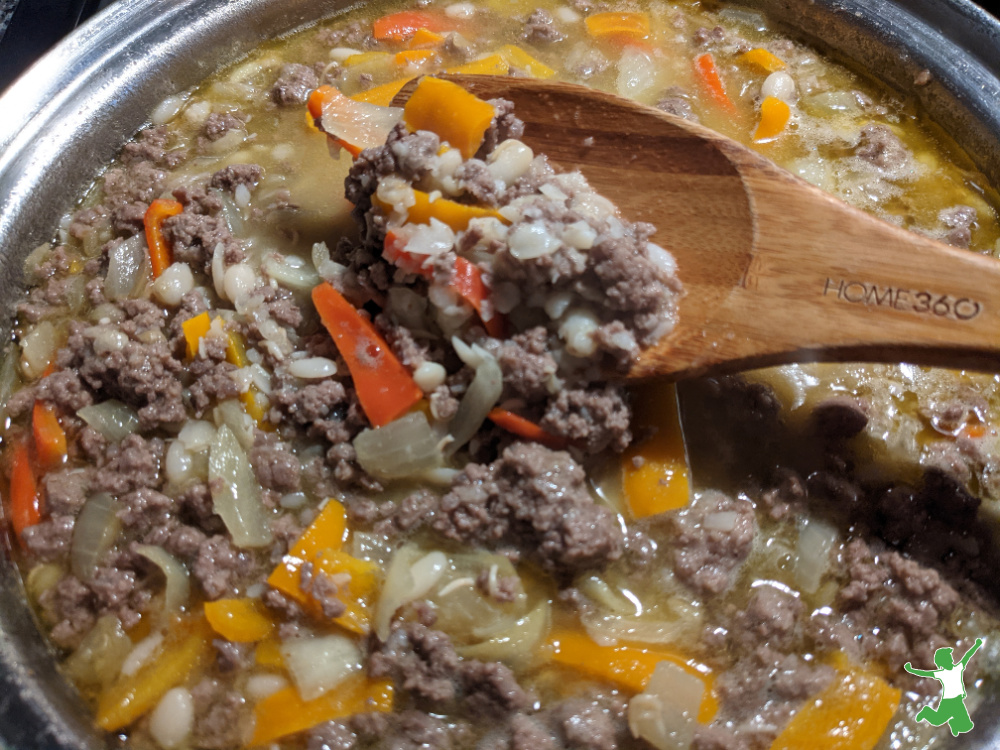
[(172, 719), (179, 463), (312, 368), (260, 686), (429, 376), (460, 10), (780, 85), (171, 285), (509, 161), (342, 53), (577, 330), (239, 282)]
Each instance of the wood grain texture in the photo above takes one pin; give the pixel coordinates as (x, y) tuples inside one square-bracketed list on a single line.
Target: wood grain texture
[(774, 269)]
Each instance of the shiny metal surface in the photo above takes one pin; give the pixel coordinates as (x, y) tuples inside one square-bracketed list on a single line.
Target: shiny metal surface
[(75, 108)]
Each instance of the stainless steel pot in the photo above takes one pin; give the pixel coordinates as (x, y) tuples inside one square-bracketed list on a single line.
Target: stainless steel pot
[(69, 115)]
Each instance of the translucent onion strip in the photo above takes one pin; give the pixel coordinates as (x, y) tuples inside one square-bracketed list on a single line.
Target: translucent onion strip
[(236, 493), (481, 396), (94, 533), (320, 663), (113, 419), (178, 588), (405, 447)]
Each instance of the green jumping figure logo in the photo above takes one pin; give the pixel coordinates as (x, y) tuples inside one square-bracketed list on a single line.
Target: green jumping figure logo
[(951, 708)]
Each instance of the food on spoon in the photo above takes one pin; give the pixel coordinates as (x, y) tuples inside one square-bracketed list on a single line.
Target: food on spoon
[(280, 475)]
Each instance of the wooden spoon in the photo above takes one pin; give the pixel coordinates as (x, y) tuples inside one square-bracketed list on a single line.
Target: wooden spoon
[(774, 269)]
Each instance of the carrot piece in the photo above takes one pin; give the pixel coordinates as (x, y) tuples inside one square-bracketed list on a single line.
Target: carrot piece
[(764, 59), (25, 502), (400, 26), (50, 437), (518, 58), (851, 713), (704, 66), (384, 94), (422, 38), (194, 330), (384, 386), (621, 25), (285, 712), (186, 647), (159, 252), (525, 428), (629, 666), (445, 108), (494, 65), (774, 116), (467, 280), (655, 474), (239, 620)]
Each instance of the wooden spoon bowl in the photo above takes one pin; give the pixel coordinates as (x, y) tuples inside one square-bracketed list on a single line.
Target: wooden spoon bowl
[(775, 270)]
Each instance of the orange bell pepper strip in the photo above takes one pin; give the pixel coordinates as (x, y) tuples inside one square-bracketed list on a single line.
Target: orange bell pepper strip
[(384, 386), (194, 329), (159, 252), (518, 58), (327, 531), (402, 25), (384, 94), (285, 713), (239, 620), (629, 666), (493, 65), (424, 39), (445, 108), (467, 280), (414, 57), (655, 473), (186, 647), (525, 428), (708, 74), (25, 501), (774, 116), (851, 713), (618, 25), (456, 215), (268, 654), (764, 59), (357, 594), (50, 437)]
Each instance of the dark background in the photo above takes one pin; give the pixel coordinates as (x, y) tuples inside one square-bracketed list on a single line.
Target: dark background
[(29, 27)]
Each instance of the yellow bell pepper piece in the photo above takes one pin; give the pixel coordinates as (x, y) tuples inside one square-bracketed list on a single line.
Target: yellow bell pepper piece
[(236, 350), (518, 58), (774, 116), (239, 620), (413, 56), (634, 25), (130, 697), (655, 474), (382, 95), (424, 38), (494, 65), (285, 712), (327, 531), (852, 713), (455, 215), (766, 60), (194, 329), (268, 654), (629, 666), (366, 57), (445, 108)]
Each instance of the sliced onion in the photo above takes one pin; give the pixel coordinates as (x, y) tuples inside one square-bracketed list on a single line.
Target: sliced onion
[(178, 588), (360, 124), (100, 655), (236, 494), (481, 396), (128, 264), (113, 419), (513, 641), (665, 713), (319, 664), (141, 654), (637, 73), (300, 279), (405, 447), (9, 381), (326, 268), (411, 574), (94, 533), (812, 552), (38, 349), (232, 414), (615, 628)]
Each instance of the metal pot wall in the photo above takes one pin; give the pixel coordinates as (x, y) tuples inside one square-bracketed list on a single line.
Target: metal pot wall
[(71, 113)]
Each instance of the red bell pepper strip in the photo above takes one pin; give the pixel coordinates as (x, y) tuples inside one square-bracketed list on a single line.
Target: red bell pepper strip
[(25, 502), (159, 251), (525, 428), (398, 27), (704, 66), (50, 437), (468, 282), (384, 386)]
